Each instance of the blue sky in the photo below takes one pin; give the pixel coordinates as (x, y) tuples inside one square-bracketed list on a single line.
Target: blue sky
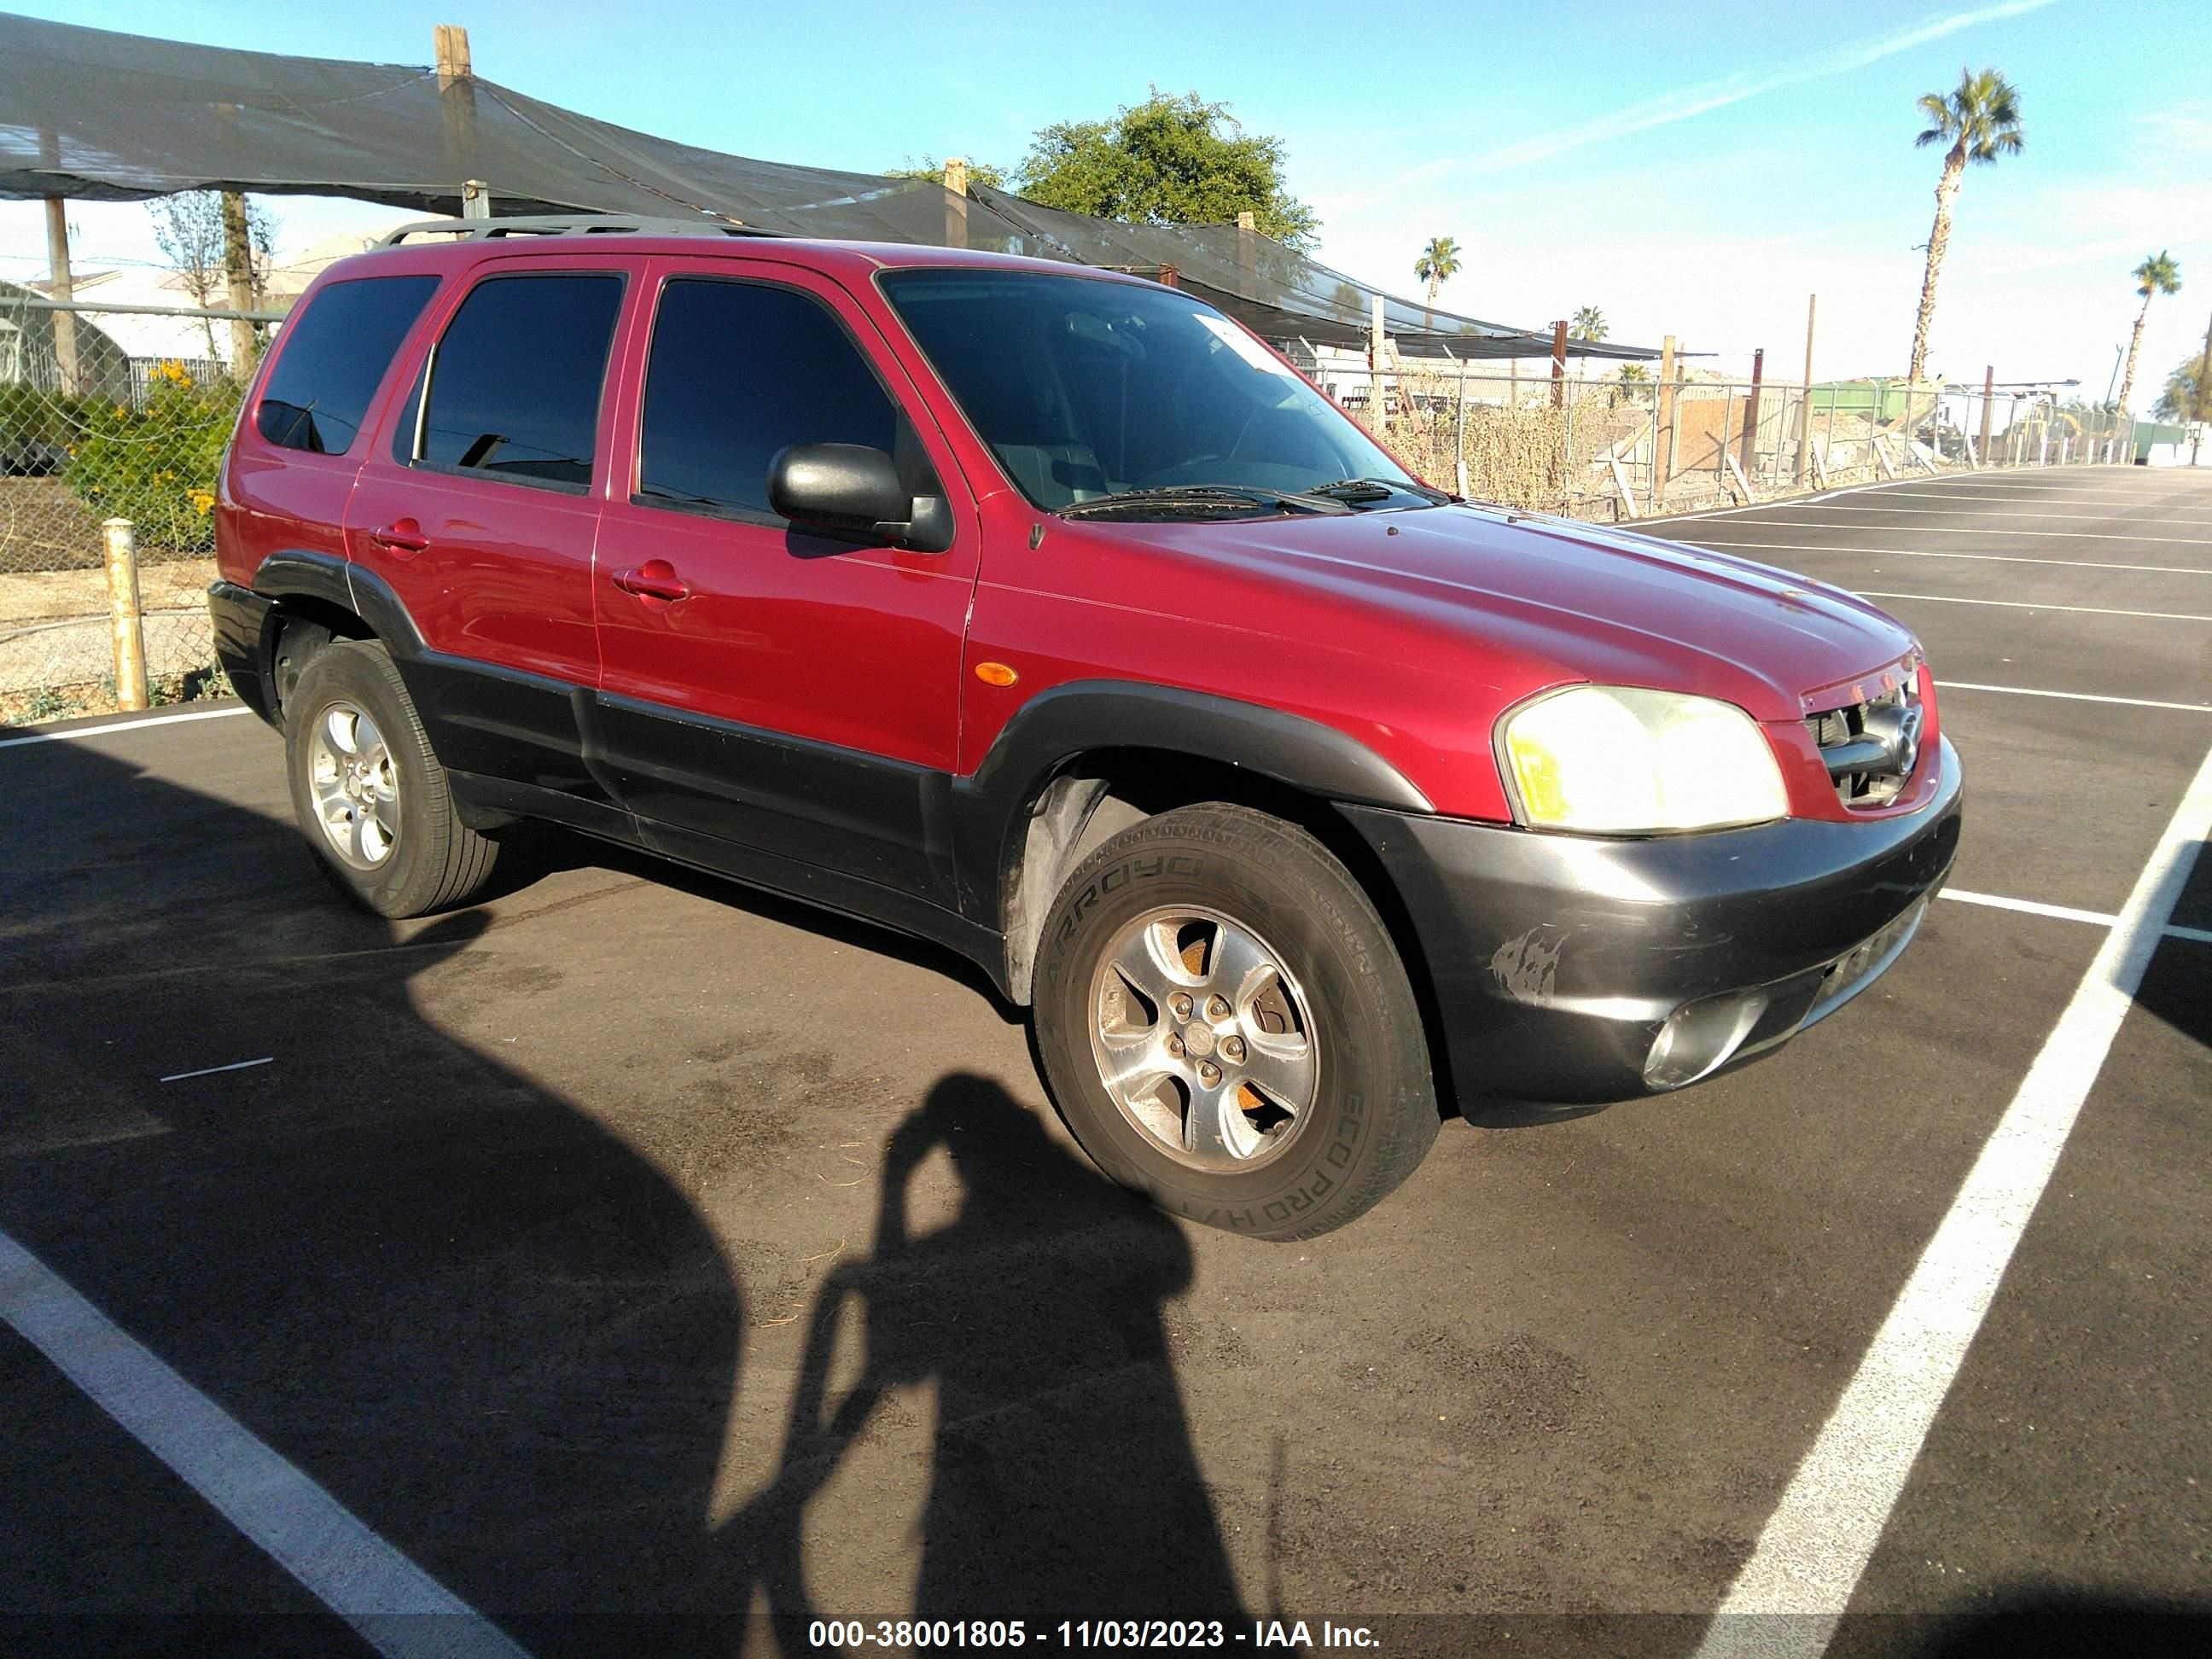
[(1694, 170)]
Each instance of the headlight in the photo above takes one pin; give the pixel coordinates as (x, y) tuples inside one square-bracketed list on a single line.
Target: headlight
[(1619, 761)]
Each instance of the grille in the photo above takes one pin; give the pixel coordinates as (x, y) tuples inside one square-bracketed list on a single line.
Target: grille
[(1870, 748)]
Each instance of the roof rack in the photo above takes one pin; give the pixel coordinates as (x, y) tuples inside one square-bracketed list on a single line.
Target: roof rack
[(568, 224)]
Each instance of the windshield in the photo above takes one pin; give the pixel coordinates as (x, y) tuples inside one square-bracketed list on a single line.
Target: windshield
[(1086, 389)]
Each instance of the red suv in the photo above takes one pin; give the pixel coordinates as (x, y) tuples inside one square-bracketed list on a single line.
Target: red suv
[(1047, 614)]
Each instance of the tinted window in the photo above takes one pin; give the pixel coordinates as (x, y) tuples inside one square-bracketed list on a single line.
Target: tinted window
[(515, 385), (741, 370), (333, 356), (1084, 387)]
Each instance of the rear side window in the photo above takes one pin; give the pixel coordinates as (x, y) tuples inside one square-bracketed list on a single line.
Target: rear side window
[(334, 355), (515, 379), (740, 370)]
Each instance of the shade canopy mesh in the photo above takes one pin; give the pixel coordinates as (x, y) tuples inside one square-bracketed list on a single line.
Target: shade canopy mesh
[(100, 116)]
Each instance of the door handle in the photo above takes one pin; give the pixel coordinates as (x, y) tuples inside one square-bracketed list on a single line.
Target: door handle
[(654, 579), (402, 534)]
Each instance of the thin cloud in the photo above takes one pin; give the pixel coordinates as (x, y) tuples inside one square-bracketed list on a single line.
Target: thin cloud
[(1688, 102)]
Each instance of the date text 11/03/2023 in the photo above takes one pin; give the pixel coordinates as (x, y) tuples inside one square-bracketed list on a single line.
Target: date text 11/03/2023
[(915, 1634)]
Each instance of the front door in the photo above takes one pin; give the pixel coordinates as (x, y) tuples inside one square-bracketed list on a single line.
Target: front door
[(774, 700), (477, 509)]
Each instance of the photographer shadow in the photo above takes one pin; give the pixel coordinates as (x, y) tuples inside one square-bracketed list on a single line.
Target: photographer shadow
[(1063, 1483)]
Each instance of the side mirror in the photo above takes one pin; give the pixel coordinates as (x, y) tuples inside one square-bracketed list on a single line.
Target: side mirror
[(852, 487)]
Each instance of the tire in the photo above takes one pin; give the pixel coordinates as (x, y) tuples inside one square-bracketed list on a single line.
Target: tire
[(394, 841), (1332, 1105)]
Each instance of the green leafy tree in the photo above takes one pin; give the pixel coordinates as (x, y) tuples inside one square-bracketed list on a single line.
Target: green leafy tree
[(2156, 275), (1587, 324), (1166, 161), (929, 167), (1437, 264), (2186, 396), (1979, 121)]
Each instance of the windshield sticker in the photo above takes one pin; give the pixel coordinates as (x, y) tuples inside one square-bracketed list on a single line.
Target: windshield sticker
[(1245, 346)]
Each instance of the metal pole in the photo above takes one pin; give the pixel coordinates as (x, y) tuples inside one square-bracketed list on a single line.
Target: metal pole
[(1805, 408), (1990, 405), (1459, 430), (122, 556), (1378, 417), (1751, 413), (1728, 415)]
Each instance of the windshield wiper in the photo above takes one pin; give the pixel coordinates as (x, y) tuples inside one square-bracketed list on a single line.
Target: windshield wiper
[(1203, 496), (1378, 490)]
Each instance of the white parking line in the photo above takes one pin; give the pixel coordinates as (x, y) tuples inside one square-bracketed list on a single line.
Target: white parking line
[(1791, 1594), (1984, 512), (2023, 605), (1970, 530), (75, 732), (2074, 696), (1922, 553), (399, 1609), (2068, 913)]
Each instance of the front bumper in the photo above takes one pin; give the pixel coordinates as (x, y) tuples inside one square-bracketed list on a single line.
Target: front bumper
[(1558, 961)]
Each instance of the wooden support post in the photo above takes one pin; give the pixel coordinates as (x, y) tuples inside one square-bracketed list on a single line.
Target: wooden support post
[(62, 289), (1751, 411), (956, 201), (1559, 363), (451, 43), (457, 101), (1170, 277), (1377, 344), (122, 553), (1805, 407), (237, 282), (1662, 437), (1881, 454), (1820, 468)]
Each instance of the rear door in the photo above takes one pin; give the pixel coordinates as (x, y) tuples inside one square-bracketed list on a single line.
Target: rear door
[(292, 464), (479, 508), (765, 690)]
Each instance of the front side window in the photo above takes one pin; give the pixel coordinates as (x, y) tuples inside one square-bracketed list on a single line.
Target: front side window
[(514, 381), (332, 358), (1087, 388), (740, 370)]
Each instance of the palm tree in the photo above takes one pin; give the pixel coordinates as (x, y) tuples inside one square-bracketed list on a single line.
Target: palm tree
[(1439, 264), (1980, 121), (1587, 324), (2157, 275)]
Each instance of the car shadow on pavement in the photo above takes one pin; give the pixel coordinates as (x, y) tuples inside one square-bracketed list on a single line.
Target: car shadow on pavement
[(483, 1319)]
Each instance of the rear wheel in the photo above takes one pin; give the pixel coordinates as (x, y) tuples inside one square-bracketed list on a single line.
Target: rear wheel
[(1228, 1028), (369, 793)]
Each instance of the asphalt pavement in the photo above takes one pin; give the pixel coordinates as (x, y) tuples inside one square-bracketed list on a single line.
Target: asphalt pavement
[(636, 1258)]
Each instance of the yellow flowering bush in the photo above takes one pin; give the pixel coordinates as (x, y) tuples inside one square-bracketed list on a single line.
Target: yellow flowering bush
[(156, 465)]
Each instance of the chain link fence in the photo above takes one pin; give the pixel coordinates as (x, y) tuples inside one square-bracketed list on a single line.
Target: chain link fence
[(90, 435), (1626, 447)]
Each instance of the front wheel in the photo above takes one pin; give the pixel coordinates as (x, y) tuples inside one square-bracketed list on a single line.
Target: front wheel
[(1228, 1028)]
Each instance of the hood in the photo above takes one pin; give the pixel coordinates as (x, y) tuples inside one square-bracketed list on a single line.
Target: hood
[(1565, 601)]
